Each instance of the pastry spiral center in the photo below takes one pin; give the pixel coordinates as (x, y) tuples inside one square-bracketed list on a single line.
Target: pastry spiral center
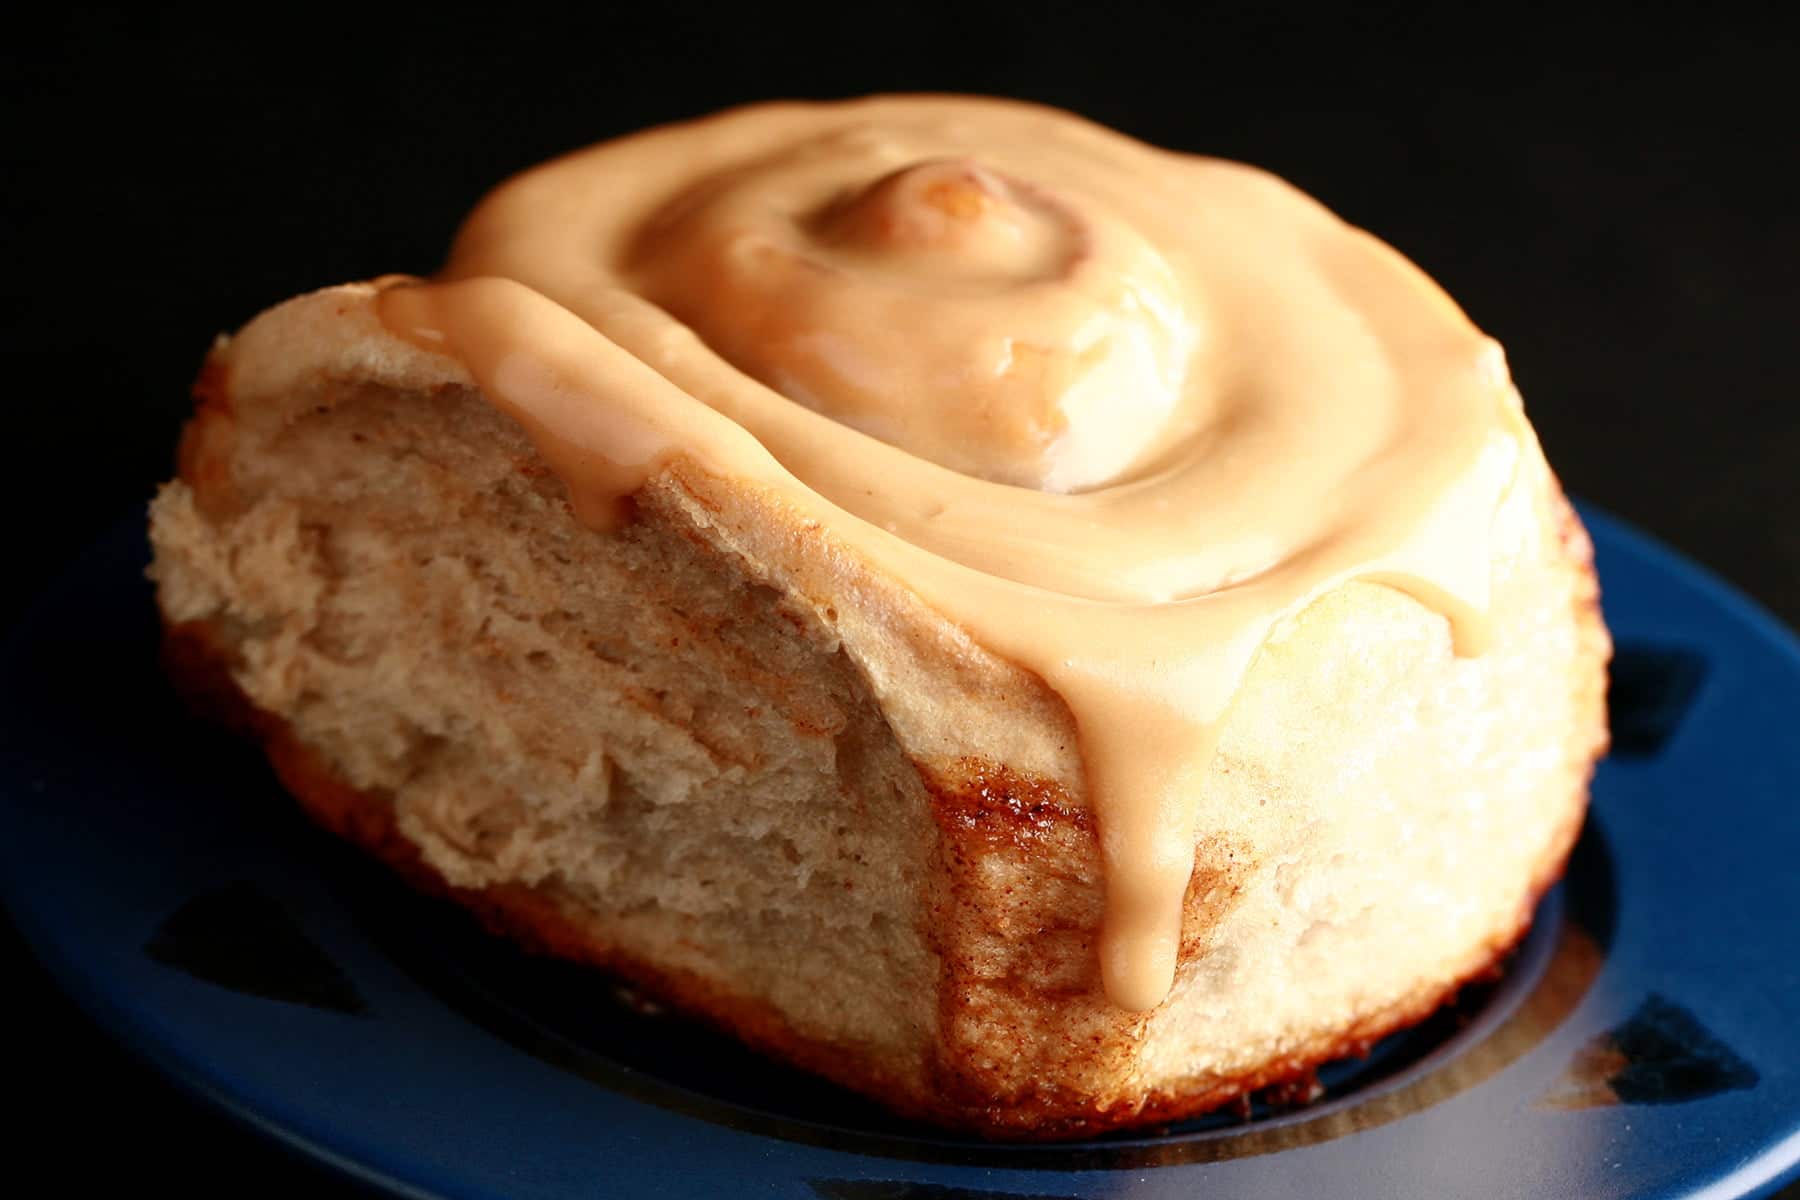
[(948, 221), (979, 321)]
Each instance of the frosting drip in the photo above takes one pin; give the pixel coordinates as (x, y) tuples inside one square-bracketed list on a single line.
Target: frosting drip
[(1113, 411)]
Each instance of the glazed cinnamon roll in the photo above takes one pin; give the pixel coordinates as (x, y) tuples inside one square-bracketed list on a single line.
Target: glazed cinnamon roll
[(1045, 631)]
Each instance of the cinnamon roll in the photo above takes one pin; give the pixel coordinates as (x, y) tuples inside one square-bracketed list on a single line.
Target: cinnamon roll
[(1045, 631)]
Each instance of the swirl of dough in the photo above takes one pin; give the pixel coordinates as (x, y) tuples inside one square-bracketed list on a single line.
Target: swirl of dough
[(1127, 408), (977, 321)]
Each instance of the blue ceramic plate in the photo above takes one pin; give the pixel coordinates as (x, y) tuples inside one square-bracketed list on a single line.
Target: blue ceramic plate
[(1642, 1042)]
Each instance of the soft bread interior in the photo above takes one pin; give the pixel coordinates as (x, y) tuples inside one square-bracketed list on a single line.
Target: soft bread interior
[(625, 721)]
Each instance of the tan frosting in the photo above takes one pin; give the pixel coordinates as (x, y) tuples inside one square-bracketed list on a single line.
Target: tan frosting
[(1113, 411)]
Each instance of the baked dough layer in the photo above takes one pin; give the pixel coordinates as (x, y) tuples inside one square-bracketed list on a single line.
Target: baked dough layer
[(723, 756)]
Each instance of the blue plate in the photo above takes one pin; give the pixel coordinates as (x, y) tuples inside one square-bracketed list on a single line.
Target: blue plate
[(1641, 1043)]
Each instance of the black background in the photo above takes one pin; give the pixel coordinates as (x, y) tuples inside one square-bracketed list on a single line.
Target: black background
[(1613, 196)]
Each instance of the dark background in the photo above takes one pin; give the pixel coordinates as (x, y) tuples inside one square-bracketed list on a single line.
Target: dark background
[(1612, 196)]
